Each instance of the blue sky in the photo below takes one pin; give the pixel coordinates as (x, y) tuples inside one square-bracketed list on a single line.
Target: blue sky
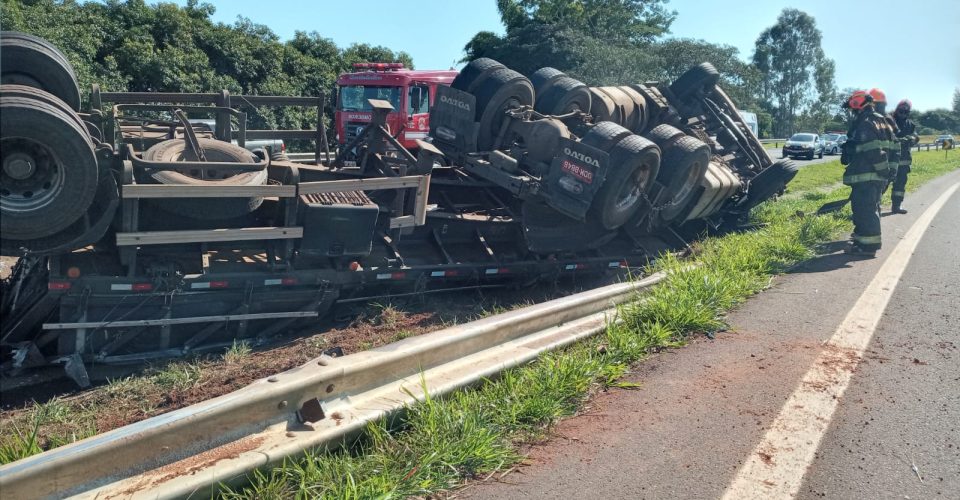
[(920, 60)]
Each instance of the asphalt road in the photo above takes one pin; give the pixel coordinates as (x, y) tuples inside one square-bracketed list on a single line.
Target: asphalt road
[(706, 410), (802, 162)]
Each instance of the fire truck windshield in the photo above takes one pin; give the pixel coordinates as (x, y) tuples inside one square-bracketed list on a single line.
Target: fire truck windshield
[(354, 97)]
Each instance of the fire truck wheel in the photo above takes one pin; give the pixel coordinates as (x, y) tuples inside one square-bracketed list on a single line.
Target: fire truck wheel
[(34, 62), (48, 169), (634, 163), (701, 77), (683, 165), (501, 90), (176, 150), (661, 135), (564, 96), (548, 231), (768, 182), (543, 78), (474, 73)]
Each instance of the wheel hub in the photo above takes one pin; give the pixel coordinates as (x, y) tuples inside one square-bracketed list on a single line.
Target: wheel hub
[(30, 177), (19, 166)]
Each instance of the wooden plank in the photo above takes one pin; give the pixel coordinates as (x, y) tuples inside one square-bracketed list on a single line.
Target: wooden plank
[(420, 202), (208, 235), (401, 222), (369, 184), (179, 321), (192, 191)]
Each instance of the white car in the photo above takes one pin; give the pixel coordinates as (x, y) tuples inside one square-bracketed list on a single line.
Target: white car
[(833, 143)]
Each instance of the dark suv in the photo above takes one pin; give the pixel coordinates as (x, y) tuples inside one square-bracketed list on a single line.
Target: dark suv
[(805, 144)]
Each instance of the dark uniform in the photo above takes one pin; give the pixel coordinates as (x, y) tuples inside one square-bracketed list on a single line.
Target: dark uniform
[(866, 156), (907, 134)]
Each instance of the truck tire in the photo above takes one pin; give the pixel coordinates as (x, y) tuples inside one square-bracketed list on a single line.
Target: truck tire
[(34, 93), (566, 95), (474, 73), (701, 77), (501, 90), (204, 208), (683, 165), (602, 106), (634, 163), (768, 182), (543, 78), (35, 62), (604, 135), (640, 108), (548, 231), (48, 168), (662, 135)]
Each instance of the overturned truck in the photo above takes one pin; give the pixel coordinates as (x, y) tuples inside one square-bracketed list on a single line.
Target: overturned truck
[(141, 234)]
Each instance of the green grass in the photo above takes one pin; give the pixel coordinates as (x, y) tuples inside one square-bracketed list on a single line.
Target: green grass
[(441, 442)]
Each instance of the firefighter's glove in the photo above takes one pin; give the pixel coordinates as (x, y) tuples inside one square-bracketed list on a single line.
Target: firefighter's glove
[(846, 153)]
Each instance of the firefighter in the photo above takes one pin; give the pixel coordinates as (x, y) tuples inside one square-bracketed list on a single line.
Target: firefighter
[(907, 134), (892, 146), (865, 155)]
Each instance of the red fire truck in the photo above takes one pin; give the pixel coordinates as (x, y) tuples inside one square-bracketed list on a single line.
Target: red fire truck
[(411, 92)]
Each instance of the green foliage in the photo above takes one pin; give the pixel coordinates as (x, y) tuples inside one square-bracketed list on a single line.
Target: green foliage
[(940, 120)]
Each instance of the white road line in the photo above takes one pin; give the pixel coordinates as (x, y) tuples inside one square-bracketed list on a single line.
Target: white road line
[(777, 465)]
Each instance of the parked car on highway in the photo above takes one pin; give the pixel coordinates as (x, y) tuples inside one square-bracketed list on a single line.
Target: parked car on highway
[(943, 138), (803, 144), (832, 143)]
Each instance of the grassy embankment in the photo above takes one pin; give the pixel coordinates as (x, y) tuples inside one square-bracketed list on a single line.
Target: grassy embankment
[(443, 442)]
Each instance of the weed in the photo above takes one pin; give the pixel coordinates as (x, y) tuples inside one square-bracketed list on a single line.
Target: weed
[(237, 352), (178, 376)]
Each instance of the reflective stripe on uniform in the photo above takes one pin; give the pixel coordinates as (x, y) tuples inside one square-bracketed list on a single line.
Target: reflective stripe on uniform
[(865, 177), (868, 240), (898, 193), (905, 162), (881, 166), (870, 146)]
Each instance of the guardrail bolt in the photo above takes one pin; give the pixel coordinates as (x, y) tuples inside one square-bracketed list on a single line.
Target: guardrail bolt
[(272, 379), (282, 404), (330, 388)]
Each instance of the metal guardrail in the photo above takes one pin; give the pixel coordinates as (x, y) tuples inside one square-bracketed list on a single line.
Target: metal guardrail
[(320, 404)]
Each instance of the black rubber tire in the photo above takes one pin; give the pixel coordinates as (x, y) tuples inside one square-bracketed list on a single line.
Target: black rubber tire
[(474, 73), (204, 208), (634, 163), (35, 62), (821, 155), (683, 165), (661, 135), (604, 135), (701, 77), (548, 231), (624, 108), (566, 95), (640, 102), (602, 106), (768, 182), (35, 93), (502, 89), (543, 78), (64, 178)]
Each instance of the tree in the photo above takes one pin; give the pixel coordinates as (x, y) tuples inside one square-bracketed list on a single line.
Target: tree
[(796, 76), (636, 21), (941, 120), (956, 102)]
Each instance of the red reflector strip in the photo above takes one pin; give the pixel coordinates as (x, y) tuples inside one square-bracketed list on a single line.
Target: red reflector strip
[(501, 270), (289, 281), (142, 287), (442, 274), (398, 276), (59, 285), (219, 284)]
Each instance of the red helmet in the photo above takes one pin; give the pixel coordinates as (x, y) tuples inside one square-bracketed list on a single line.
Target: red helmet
[(877, 95), (905, 105), (857, 100)]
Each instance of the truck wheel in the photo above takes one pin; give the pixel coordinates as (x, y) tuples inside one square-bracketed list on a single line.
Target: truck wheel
[(566, 95), (683, 165), (604, 135), (634, 163), (49, 171), (176, 150), (34, 93), (640, 108), (701, 77), (548, 231), (35, 62), (543, 78), (661, 135), (769, 182), (602, 106), (501, 90), (474, 73)]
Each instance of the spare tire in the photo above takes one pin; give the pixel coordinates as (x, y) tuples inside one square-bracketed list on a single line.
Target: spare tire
[(474, 73), (48, 168), (175, 150), (702, 77), (564, 96), (683, 165), (35, 62), (634, 163), (501, 90), (769, 182), (543, 78)]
